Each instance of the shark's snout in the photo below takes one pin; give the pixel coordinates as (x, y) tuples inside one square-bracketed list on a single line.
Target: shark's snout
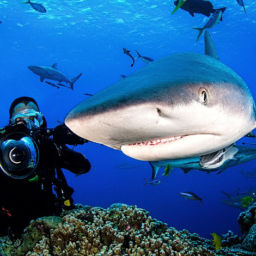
[(34, 69)]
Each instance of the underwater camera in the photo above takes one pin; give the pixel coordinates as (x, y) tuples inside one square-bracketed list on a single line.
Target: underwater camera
[(19, 155)]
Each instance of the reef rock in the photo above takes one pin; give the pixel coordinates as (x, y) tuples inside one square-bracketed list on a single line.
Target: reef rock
[(247, 218), (118, 230), (249, 242)]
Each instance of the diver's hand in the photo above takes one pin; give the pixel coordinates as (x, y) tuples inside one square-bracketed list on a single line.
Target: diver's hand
[(63, 135)]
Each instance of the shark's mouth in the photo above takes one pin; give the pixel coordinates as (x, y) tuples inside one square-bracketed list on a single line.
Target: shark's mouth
[(157, 141), (174, 147)]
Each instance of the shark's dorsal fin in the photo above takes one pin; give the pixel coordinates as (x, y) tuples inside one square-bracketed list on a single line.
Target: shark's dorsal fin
[(209, 47), (54, 65)]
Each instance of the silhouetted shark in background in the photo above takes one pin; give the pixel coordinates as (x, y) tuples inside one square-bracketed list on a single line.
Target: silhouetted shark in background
[(214, 162), (182, 106), (52, 73)]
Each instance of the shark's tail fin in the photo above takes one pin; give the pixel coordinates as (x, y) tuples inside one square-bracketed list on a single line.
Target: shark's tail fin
[(244, 10), (74, 80), (200, 32)]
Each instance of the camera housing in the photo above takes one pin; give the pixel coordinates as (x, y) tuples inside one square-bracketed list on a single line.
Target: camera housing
[(19, 155)]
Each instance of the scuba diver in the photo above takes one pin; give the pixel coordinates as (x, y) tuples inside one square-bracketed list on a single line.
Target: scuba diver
[(32, 183)]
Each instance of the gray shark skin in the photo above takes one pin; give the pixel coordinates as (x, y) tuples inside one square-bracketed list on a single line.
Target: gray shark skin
[(185, 105), (52, 73), (228, 157)]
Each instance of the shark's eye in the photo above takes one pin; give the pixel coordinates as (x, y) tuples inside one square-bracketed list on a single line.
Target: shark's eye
[(203, 95)]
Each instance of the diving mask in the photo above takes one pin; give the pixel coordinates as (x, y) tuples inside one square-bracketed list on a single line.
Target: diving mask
[(32, 118)]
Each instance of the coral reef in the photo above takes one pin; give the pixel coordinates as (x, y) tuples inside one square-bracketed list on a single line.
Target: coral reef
[(230, 239), (247, 221), (249, 242), (247, 218), (118, 230)]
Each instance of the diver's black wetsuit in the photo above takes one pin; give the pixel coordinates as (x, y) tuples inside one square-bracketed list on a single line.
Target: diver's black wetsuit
[(23, 200)]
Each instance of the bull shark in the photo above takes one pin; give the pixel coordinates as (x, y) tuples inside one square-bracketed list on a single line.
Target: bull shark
[(184, 105), (52, 73)]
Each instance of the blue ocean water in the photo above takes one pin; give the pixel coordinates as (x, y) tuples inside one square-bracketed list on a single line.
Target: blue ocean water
[(88, 37)]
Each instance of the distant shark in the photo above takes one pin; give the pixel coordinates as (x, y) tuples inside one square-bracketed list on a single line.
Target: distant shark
[(185, 105), (214, 162), (52, 73)]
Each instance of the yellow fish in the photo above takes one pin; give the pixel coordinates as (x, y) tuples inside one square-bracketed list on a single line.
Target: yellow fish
[(67, 203), (247, 201), (216, 241), (167, 170), (180, 3)]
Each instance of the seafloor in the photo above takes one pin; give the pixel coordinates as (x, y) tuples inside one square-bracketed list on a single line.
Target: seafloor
[(117, 230)]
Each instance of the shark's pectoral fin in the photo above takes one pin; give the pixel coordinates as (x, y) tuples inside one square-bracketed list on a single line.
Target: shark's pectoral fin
[(41, 79), (209, 47), (54, 65), (155, 170)]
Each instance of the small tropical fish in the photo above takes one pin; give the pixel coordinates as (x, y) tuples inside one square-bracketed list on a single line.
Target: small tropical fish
[(178, 4), (88, 94), (214, 19), (241, 3), (36, 6), (216, 241), (195, 6), (67, 203), (144, 58), (167, 170), (152, 182), (128, 53), (191, 196), (247, 201)]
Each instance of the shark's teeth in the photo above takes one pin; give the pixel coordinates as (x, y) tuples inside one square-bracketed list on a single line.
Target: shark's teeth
[(157, 141)]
